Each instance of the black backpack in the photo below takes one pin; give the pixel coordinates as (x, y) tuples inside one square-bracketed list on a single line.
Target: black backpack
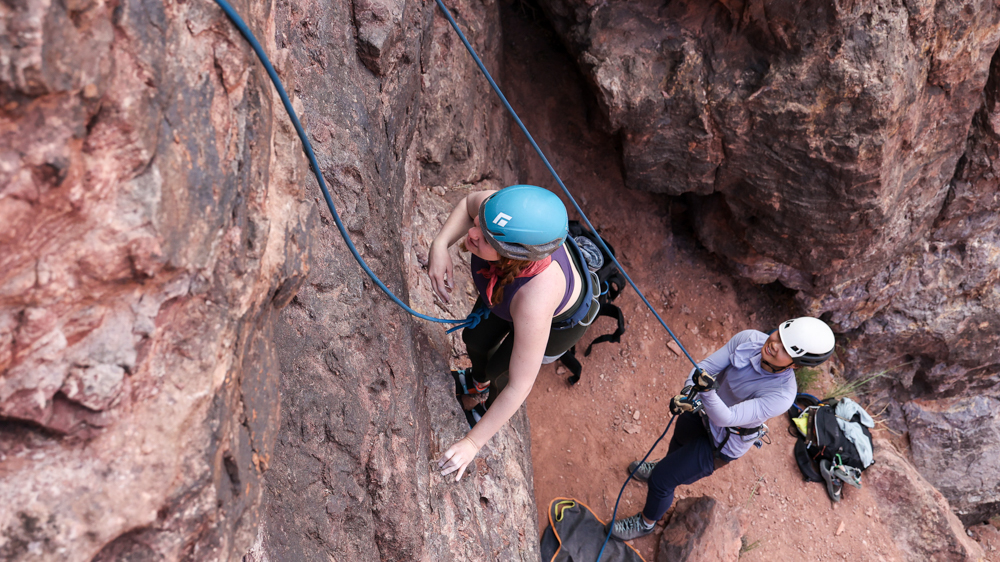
[(612, 284), (824, 439)]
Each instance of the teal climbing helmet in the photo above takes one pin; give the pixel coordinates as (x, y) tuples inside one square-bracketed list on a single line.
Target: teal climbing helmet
[(524, 222)]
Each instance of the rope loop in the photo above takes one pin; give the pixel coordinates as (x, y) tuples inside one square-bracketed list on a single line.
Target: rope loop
[(313, 163), (473, 319)]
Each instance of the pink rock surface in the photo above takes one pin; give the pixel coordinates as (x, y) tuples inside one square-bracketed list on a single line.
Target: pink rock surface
[(919, 518), (151, 231)]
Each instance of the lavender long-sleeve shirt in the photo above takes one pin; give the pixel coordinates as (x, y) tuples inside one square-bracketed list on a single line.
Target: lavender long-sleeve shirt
[(748, 395)]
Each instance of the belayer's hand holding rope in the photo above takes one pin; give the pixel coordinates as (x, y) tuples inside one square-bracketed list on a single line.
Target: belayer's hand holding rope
[(685, 402)]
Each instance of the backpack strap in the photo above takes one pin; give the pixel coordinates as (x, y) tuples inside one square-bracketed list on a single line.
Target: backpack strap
[(614, 283), (802, 401), (805, 463), (616, 336), (573, 364)]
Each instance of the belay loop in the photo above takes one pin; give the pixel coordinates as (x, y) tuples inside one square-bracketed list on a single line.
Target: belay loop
[(473, 319)]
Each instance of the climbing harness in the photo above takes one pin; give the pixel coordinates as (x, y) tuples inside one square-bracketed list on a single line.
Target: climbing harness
[(759, 435)]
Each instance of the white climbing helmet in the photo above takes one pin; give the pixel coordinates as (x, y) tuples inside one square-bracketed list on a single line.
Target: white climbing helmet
[(808, 341)]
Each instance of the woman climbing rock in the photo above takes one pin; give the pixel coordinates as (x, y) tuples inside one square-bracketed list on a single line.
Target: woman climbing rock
[(536, 287)]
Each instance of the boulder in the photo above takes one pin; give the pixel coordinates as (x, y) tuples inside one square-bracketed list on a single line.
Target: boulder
[(939, 336), (988, 536), (918, 516), (825, 133), (956, 445), (700, 530)]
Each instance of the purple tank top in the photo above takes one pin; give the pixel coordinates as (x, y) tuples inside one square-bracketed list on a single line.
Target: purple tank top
[(502, 309)]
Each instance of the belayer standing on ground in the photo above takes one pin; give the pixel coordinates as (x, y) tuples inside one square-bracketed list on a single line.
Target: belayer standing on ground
[(535, 284), (743, 384)]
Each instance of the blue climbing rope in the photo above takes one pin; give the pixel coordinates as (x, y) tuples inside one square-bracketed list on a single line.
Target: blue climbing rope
[(630, 475), (552, 171), (314, 164), (473, 319)]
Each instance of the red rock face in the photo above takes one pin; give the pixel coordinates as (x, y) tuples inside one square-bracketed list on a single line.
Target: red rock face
[(155, 219), (939, 331), (827, 133), (150, 231), (954, 445), (921, 522), (367, 402)]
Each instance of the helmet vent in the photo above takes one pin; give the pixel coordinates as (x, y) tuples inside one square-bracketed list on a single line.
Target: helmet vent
[(796, 349)]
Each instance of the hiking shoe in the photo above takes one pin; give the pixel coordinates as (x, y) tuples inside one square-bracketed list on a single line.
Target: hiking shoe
[(631, 528), (644, 470), (834, 486)]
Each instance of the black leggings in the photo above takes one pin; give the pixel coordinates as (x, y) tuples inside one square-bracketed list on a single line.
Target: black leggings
[(495, 332)]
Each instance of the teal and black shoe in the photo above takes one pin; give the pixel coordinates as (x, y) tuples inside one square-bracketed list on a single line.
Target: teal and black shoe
[(465, 386), (834, 487), (643, 471), (631, 528)]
